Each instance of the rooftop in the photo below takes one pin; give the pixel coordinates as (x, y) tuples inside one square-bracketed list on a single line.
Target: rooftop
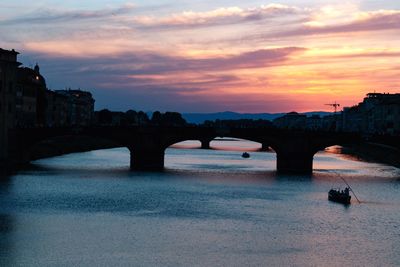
[(4, 51)]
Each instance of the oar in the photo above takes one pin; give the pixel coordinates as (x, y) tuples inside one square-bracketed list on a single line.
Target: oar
[(350, 188)]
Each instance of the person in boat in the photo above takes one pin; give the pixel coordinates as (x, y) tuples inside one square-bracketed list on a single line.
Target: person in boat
[(346, 191)]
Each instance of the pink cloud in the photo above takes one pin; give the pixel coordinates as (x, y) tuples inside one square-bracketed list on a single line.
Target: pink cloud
[(53, 15), (367, 21), (220, 16)]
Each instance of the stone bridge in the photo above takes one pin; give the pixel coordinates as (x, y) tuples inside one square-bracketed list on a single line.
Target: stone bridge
[(295, 149)]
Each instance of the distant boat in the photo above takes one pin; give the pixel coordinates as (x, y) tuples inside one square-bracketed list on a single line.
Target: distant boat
[(245, 155), (340, 196)]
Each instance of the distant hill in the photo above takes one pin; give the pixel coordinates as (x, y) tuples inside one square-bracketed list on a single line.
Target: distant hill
[(228, 115)]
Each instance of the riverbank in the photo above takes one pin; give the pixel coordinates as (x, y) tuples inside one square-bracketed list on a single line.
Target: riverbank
[(375, 152)]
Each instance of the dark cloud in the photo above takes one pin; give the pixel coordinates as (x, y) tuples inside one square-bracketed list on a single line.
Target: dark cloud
[(138, 63), (253, 59), (121, 82)]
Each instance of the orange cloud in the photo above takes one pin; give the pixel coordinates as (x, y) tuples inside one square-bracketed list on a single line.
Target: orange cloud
[(229, 15)]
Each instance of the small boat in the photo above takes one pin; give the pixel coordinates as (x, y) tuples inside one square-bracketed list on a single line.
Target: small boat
[(340, 196), (245, 155)]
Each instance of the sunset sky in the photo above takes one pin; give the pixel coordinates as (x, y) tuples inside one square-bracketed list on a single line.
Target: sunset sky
[(207, 56)]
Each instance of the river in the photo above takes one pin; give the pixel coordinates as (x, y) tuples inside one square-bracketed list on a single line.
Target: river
[(208, 208)]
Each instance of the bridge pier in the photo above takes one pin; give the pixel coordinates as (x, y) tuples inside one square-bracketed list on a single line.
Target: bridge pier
[(205, 143), (147, 158), (264, 147), (294, 154)]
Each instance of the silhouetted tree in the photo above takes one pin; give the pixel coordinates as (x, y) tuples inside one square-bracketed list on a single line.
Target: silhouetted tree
[(173, 119), (143, 118), (103, 117), (156, 118), (131, 117)]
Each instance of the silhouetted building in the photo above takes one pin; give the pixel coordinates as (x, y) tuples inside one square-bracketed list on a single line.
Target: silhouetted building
[(291, 120), (30, 98), (377, 114), (56, 109), (331, 123), (80, 107), (352, 119), (103, 117), (8, 73), (382, 113), (314, 122)]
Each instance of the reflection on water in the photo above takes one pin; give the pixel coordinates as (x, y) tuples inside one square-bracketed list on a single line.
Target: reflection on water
[(208, 208)]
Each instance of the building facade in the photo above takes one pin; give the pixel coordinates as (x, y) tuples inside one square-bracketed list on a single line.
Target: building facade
[(291, 120), (8, 73), (80, 107), (56, 109), (378, 114), (30, 98)]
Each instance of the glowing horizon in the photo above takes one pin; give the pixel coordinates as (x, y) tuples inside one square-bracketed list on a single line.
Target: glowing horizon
[(200, 57)]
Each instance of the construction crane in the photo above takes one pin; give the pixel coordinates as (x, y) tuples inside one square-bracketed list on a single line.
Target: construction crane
[(334, 105)]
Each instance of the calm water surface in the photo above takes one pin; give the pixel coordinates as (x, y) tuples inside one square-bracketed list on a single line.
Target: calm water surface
[(208, 208)]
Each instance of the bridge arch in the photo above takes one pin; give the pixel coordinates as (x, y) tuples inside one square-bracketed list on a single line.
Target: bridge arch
[(235, 144), (187, 144)]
